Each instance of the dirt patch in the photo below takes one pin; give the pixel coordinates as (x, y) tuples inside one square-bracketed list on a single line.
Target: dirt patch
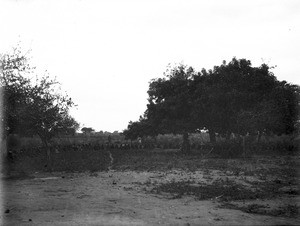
[(125, 198), (144, 188)]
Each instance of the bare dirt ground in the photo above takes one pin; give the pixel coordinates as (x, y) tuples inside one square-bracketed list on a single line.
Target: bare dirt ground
[(130, 197)]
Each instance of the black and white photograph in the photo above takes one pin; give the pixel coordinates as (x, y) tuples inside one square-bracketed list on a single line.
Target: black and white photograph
[(149, 112)]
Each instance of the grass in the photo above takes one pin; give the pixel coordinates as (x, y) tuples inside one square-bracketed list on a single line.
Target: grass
[(282, 211), (286, 210), (225, 191), (63, 161), (229, 192), (154, 160)]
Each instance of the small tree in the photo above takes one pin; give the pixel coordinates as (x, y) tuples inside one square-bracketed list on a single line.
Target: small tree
[(33, 108), (137, 129), (15, 87), (47, 112), (87, 130)]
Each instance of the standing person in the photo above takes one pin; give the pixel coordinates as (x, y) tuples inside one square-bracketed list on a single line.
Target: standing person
[(139, 142)]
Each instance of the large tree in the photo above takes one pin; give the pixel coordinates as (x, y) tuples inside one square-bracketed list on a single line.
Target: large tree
[(231, 98), (170, 104), (237, 97), (32, 106)]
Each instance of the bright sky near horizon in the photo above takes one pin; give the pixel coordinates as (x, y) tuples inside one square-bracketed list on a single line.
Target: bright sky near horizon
[(105, 52)]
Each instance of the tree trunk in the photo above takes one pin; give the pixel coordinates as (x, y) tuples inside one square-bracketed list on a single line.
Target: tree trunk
[(48, 154), (186, 146), (244, 145), (3, 147), (258, 141), (155, 141), (258, 137), (4, 155), (227, 136), (212, 136)]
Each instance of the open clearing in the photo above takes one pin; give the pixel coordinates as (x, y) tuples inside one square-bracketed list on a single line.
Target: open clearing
[(256, 191)]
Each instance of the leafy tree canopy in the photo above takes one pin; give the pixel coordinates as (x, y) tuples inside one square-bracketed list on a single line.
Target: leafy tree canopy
[(239, 98), (32, 105), (87, 129), (234, 97)]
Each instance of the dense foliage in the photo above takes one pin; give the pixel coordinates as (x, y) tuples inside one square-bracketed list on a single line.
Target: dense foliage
[(232, 98), (87, 130), (32, 106)]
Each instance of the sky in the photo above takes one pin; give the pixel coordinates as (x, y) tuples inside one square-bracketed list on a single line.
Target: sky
[(105, 52)]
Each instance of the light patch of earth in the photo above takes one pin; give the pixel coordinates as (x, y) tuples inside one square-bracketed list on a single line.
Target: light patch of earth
[(119, 198)]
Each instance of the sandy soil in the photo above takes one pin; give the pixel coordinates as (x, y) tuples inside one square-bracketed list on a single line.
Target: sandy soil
[(116, 198)]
